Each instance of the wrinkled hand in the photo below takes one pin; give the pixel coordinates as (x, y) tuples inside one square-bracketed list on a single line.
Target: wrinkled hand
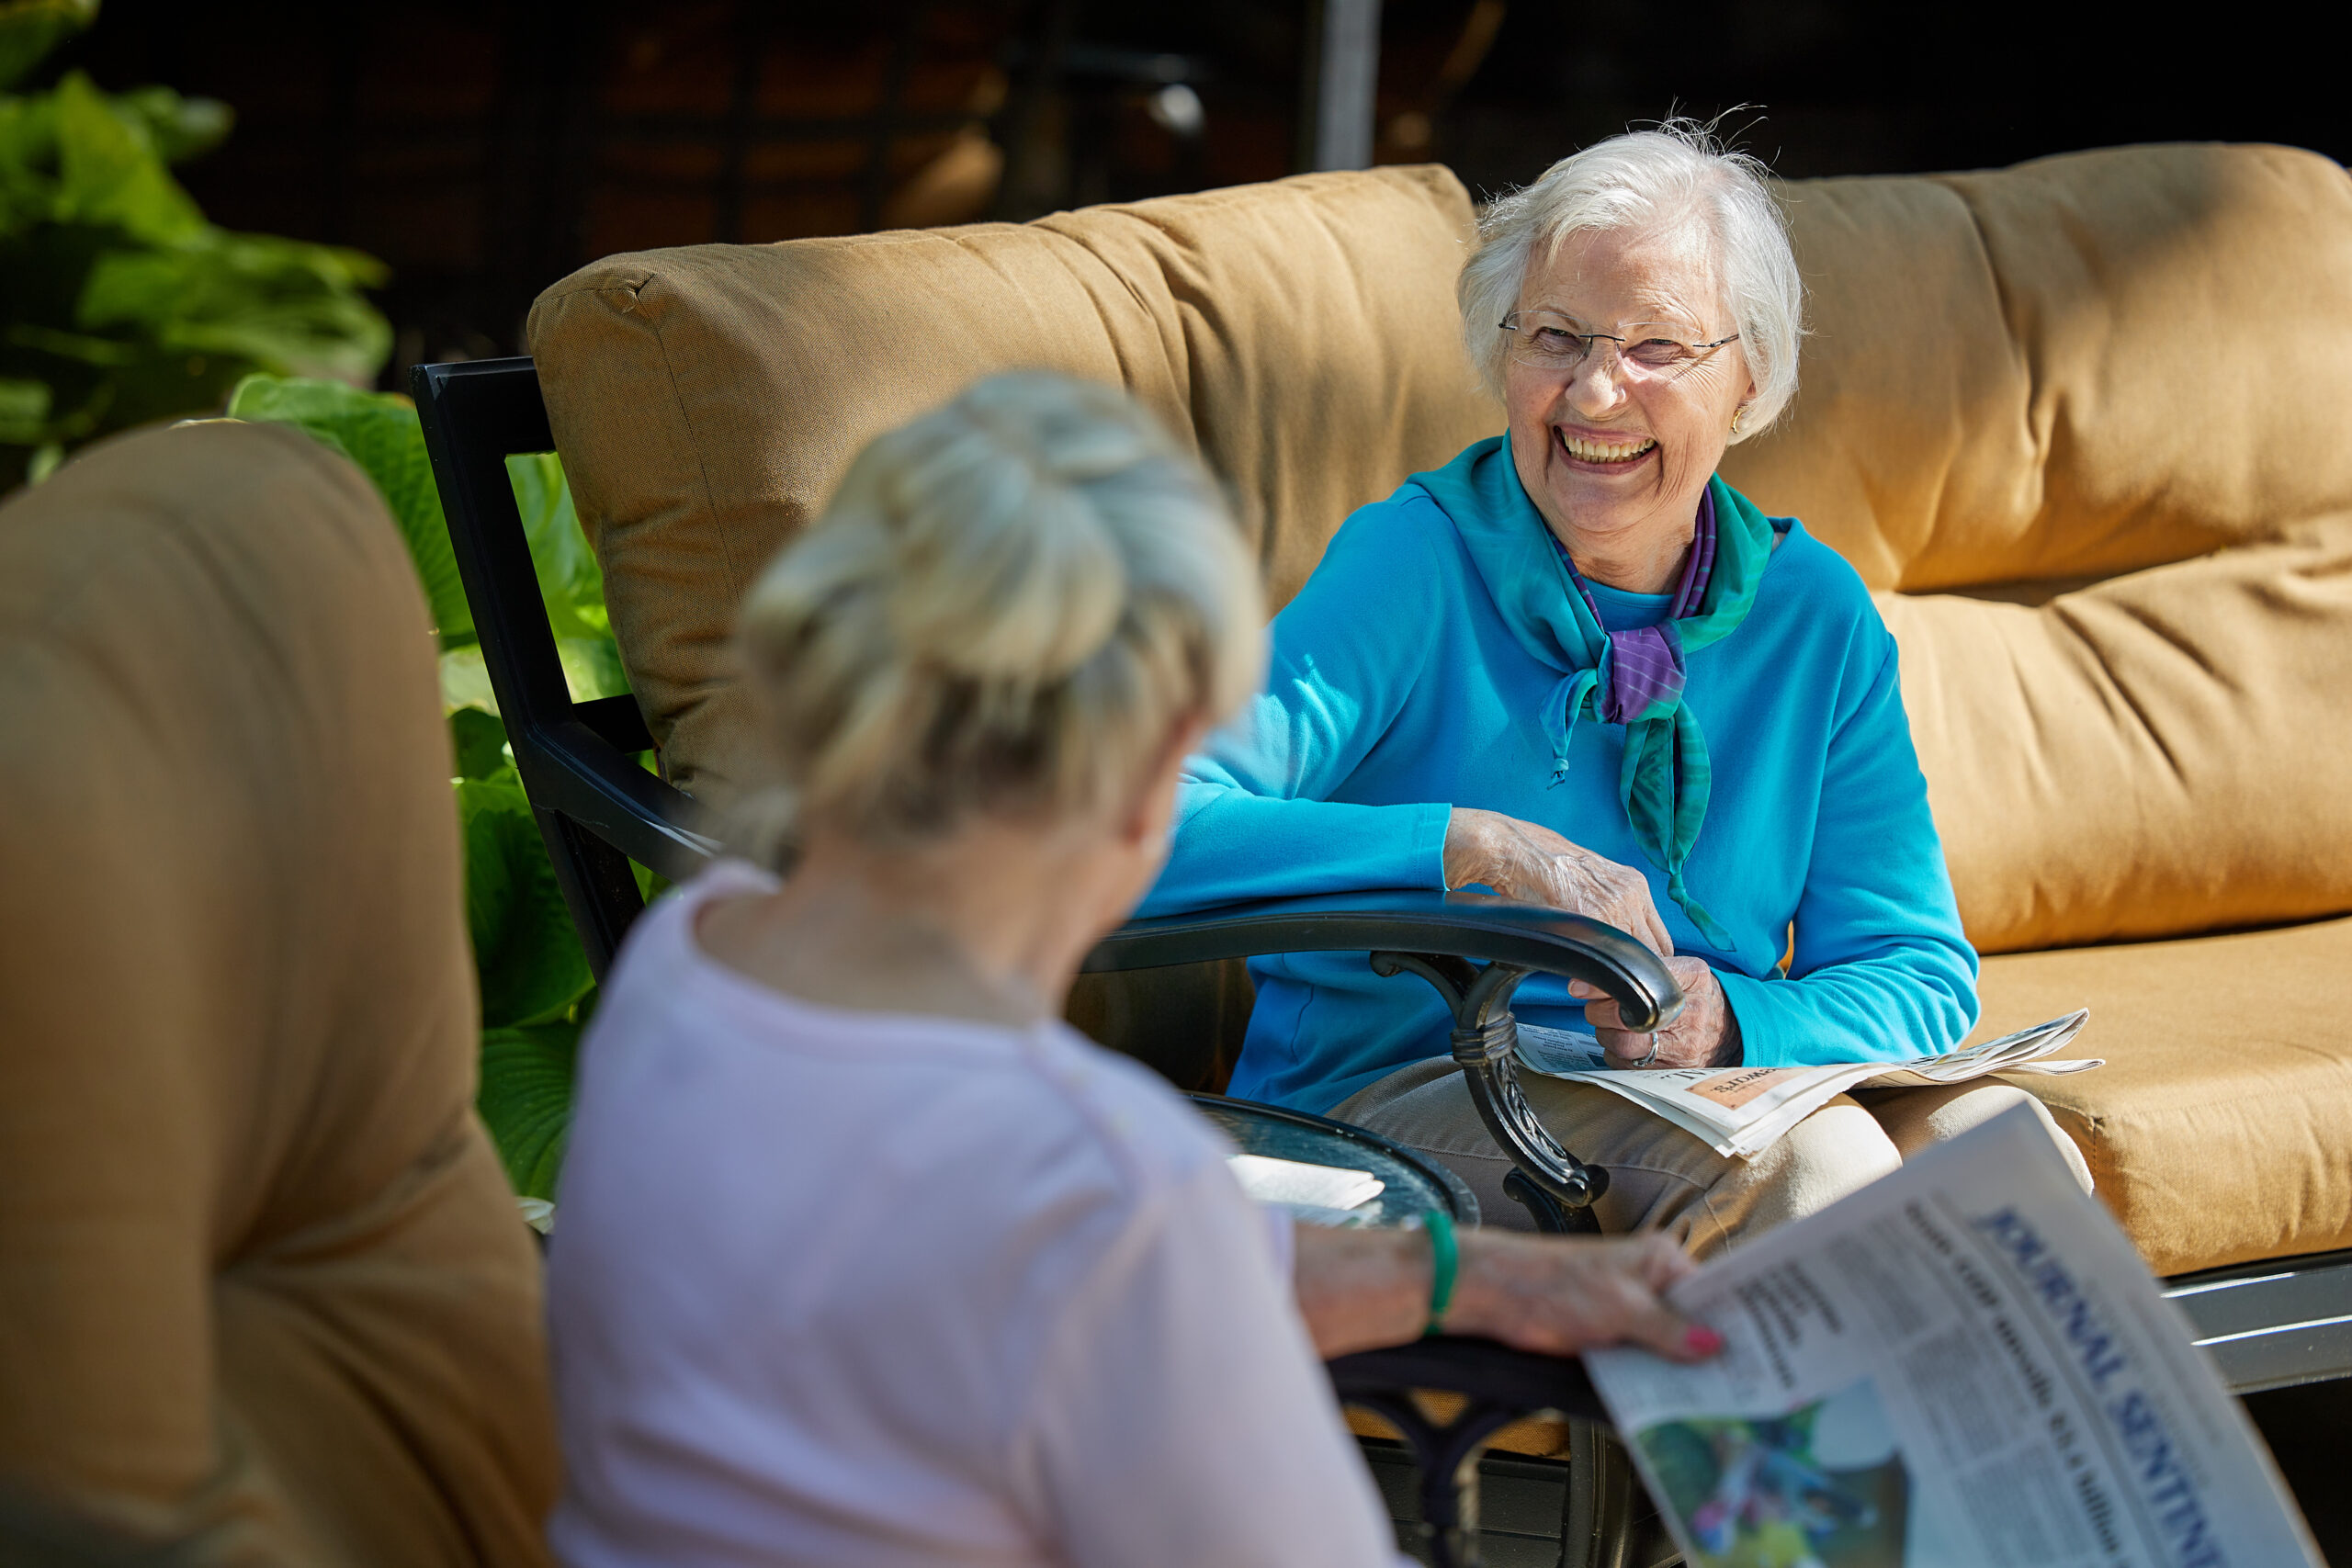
[(1704, 1034), (1536, 865), (1559, 1295)]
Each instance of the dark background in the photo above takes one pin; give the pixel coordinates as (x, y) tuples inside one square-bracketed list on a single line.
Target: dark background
[(485, 148)]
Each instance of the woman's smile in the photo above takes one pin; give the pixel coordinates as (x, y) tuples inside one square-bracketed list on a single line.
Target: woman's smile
[(1594, 452)]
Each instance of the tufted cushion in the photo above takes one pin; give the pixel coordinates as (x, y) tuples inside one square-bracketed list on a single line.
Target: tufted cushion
[(2062, 376), (264, 1292), (706, 401), (2155, 755), (2075, 367)]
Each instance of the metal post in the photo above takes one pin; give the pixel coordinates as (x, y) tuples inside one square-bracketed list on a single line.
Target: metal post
[(1343, 70)]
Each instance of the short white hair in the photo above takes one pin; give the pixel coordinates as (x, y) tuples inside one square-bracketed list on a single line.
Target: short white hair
[(1007, 609), (1650, 180)]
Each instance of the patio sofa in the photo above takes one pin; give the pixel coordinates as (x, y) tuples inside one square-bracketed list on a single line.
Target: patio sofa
[(2080, 424)]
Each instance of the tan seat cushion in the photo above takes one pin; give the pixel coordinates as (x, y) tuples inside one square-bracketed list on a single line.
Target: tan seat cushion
[(2221, 1128), (262, 1288), (706, 401)]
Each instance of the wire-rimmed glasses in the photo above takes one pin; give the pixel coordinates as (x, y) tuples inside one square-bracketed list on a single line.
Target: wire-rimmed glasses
[(1546, 340)]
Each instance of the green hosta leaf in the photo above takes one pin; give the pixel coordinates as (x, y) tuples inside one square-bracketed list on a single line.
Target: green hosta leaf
[(109, 173), (24, 410), (378, 431), (568, 580), (465, 681), (179, 127), (526, 1100), (30, 29), (281, 304), (478, 740), (27, 150), (592, 667), (530, 963)]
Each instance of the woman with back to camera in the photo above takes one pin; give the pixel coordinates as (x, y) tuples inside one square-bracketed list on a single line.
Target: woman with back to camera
[(863, 1255), (1575, 667)]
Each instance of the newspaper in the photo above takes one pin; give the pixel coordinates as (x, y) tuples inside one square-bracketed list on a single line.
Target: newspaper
[(1964, 1365), (1741, 1111)]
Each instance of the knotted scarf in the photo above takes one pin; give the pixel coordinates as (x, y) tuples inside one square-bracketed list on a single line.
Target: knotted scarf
[(1634, 678)]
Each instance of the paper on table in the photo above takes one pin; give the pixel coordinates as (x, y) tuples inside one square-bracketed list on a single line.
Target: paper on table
[(1296, 1184)]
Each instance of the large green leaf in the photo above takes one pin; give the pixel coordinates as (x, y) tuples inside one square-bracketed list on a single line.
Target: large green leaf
[(122, 299), (569, 581), (24, 410), (378, 431), (526, 1100), (179, 127), (529, 960), (30, 29), (279, 304), (109, 173), (478, 742)]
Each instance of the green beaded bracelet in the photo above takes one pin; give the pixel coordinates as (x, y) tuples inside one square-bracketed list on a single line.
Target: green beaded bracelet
[(1445, 1261)]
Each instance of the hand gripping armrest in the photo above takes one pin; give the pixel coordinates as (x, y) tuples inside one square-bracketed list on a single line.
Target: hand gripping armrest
[(1434, 935)]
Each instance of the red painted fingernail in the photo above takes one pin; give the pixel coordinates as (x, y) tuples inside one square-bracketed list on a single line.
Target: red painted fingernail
[(1702, 1341)]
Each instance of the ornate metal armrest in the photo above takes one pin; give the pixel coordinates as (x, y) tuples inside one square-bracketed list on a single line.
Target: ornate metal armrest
[(1435, 935)]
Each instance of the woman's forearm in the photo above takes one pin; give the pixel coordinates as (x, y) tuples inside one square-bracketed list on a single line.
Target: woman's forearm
[(1359, 1290)]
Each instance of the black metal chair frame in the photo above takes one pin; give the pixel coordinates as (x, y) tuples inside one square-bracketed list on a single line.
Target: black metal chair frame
[(2268, 1324)]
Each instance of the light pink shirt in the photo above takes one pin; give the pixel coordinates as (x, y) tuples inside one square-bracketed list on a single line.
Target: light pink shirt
[(837, 1287)]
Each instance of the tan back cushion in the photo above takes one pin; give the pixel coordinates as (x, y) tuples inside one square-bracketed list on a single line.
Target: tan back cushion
[(2062, 376), (262, 1288), (2072, 368), (706, 401)]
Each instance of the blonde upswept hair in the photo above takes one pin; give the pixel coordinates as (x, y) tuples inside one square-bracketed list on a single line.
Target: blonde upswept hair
[(1007, 609)]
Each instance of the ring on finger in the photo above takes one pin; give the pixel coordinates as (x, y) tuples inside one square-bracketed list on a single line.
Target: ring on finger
[(1641, 1061)]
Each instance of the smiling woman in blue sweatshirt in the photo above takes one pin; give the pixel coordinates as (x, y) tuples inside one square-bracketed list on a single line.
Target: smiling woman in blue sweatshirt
[(1575, 667)]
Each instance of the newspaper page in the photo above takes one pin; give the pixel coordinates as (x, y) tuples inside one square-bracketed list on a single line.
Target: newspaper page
[(1742, 1110), (1963, 1365)]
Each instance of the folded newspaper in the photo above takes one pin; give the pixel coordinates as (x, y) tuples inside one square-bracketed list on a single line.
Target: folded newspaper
[(1963, 1365), (1741, 1111)]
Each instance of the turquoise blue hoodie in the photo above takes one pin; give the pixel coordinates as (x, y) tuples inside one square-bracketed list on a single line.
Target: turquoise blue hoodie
[(1398, 689)]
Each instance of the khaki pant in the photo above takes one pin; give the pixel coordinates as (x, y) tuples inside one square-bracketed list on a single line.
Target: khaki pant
[(1660, 1177)]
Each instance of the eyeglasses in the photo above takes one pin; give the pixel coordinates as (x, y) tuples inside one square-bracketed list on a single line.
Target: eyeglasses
[(1546, 340)]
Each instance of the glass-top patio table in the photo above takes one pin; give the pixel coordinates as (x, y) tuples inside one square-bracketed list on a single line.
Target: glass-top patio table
[(1412, 1184)]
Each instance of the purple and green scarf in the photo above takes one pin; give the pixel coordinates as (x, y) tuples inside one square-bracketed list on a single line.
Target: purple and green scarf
[(1634, 678)]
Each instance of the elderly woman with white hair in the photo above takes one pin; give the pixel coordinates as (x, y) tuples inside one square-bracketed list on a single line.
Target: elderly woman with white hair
[(1575, 667)]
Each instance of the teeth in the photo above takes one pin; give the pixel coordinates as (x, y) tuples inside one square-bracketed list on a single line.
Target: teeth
[(1605, 451)]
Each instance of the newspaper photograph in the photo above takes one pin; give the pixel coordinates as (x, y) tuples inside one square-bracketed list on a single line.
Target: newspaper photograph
[(1742, 1110), (1963, 1365)]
